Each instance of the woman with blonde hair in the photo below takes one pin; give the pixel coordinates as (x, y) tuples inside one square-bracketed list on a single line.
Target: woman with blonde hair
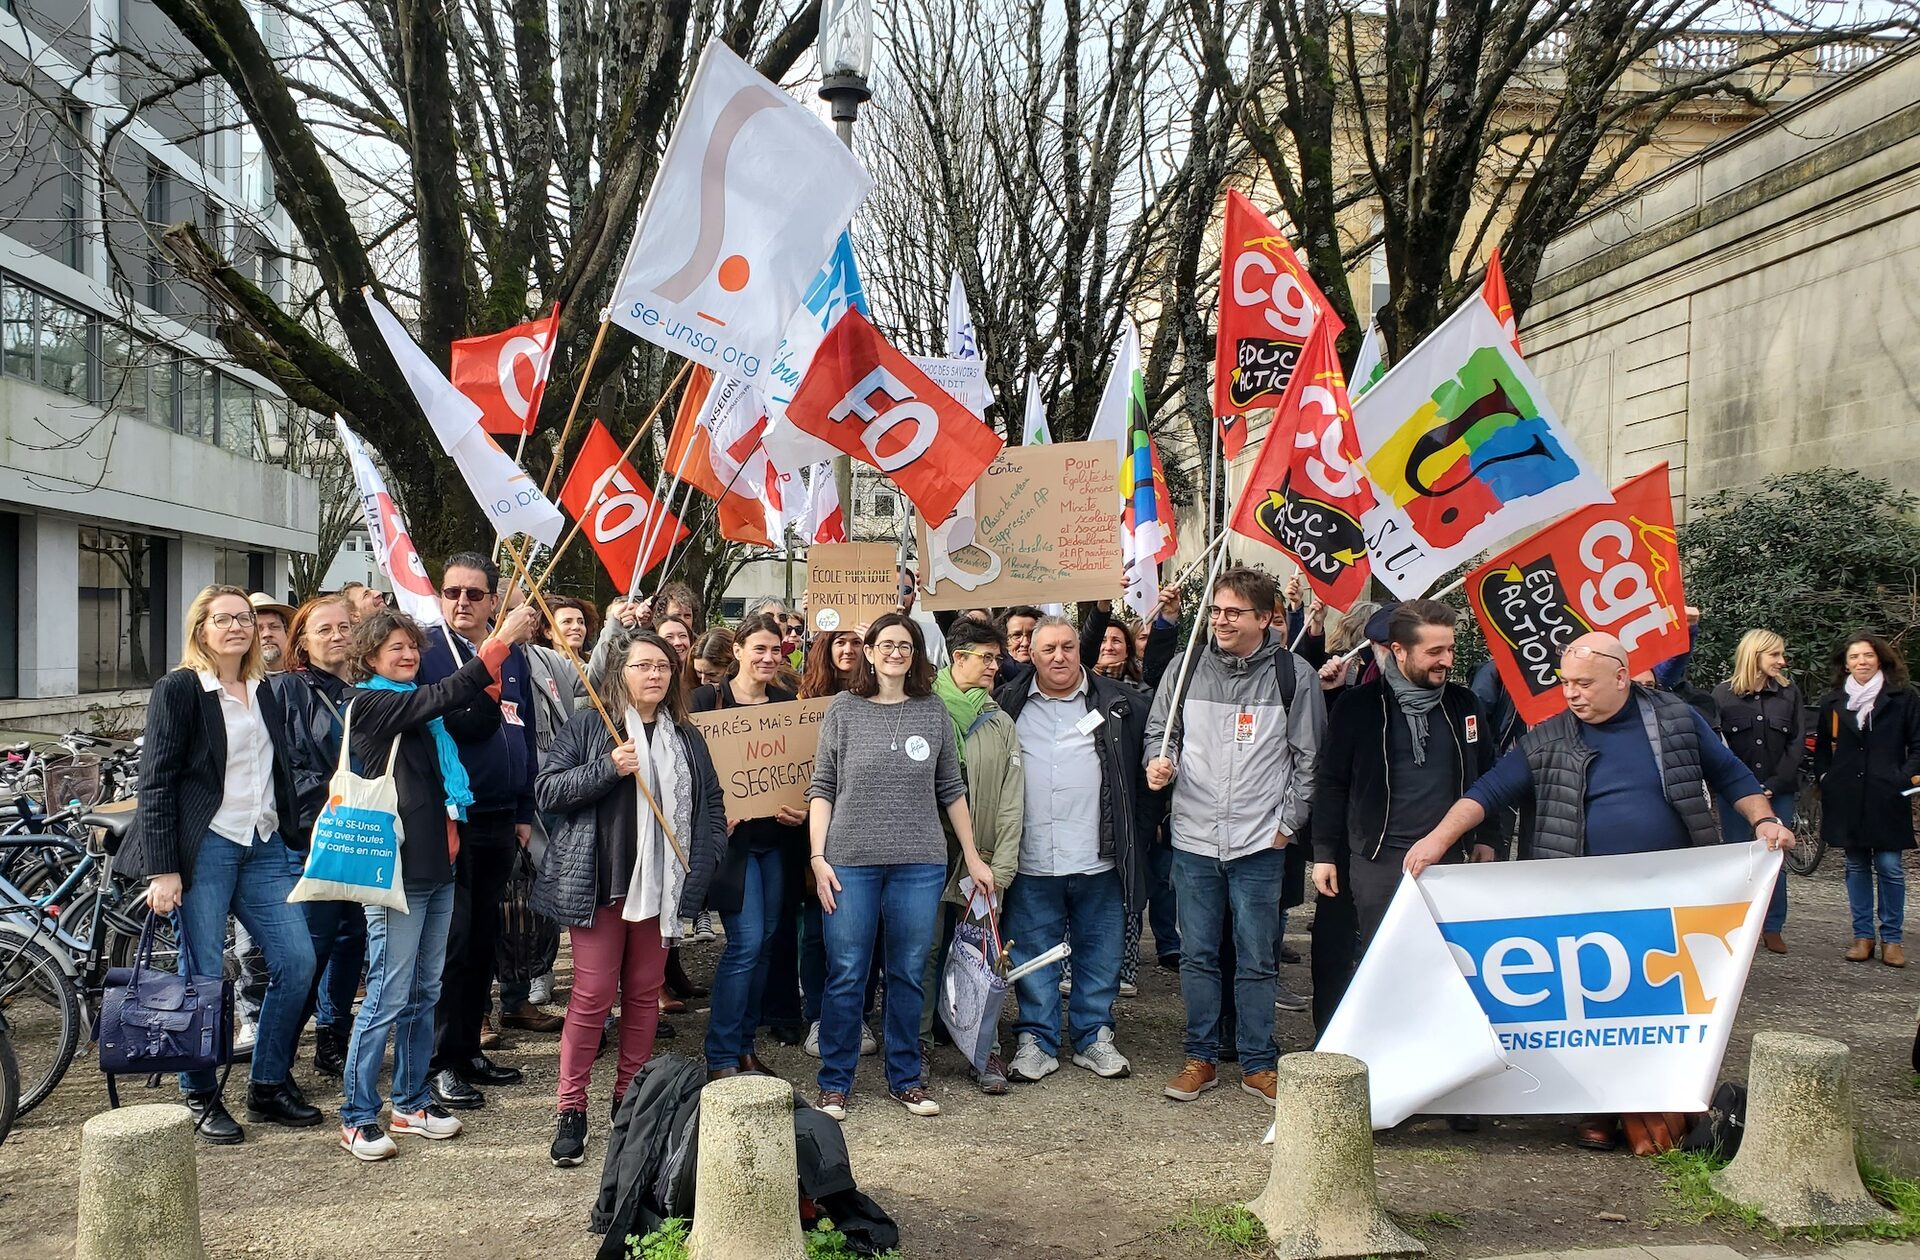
[(1765, 724)]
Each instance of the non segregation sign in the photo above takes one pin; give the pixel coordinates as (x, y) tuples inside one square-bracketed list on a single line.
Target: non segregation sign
[(764, 753)]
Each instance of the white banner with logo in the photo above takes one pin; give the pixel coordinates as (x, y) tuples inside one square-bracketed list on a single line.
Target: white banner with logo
[(1566, 987)]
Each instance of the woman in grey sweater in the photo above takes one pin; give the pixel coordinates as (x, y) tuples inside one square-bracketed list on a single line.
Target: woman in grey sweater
[(886, 767)]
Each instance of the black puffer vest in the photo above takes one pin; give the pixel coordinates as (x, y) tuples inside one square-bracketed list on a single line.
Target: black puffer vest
[(1558, 758)]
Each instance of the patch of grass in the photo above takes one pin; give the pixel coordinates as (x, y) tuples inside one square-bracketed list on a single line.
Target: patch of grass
[(1433, 1156), (1447, 1220), (669, 1242), (1687, 1175), (1227, 1223), (1422, 1227), (1900, 1194)]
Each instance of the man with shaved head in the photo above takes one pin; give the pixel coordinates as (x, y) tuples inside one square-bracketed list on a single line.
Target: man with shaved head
[(1624, 770)]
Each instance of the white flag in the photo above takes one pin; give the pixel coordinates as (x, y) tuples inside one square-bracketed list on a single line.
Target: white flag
[(1140, 540), (504, 491), (393, 548), (824, 523), (1369, 366), (1463, 450), (964, 343), (1036, 431), (749, 199)]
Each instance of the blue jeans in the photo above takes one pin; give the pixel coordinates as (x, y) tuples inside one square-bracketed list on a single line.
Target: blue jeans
[(1735, 830), (251, 882), (1866, 869), (740, 978), (905, 900), (405, 956), (1042, 911), (1163, 909), (339, 934), (1207, 886)]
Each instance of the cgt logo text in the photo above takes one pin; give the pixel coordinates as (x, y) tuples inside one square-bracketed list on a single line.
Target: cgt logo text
[(1545, 981)]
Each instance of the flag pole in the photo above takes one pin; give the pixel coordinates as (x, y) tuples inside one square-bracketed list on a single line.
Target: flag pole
[(625, 455), (659, 522), (1200, 615), (573, 412), (520, 568)]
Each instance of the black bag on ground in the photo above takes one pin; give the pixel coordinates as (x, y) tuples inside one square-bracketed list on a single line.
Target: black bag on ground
[(1717, 1133), (529, 942), (154, 1021)]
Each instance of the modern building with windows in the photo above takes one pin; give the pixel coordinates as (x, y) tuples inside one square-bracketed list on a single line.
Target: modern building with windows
[(137, 461)]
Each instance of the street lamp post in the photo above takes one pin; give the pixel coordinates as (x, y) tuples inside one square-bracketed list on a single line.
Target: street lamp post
[(846, 59)]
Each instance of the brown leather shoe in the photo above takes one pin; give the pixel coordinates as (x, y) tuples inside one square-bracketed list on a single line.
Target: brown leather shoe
[(1598, 1133), (750, 1065), (533, 1019), (671, 1006), (1775, 943), (1861, 951), (1893, 954), (1261, 1084), (489, 1039), (721, 1074), (1193, 1080)]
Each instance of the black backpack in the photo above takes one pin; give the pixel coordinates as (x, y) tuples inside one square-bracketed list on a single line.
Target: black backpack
[(1718, 1132)]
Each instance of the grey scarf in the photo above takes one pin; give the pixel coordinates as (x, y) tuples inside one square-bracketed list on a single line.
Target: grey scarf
[(1415, 701)]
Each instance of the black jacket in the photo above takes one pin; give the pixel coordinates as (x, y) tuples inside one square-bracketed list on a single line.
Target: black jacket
[(499, 739), (1767, 731), (1862, 773), (1353, 782), (312, 702), (729, 888), (378, 716), (577, 776), (1124, 797), (183, 776)]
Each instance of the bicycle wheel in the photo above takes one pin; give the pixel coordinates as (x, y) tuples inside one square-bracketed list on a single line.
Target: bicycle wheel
[(45, 1020), (9, 1083), (1808, 848)]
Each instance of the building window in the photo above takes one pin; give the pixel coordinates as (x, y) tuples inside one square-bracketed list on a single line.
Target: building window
[(119, 633), (9, 605), (73, 189), (883, 506), (158, 207), (45, 340), (196, 398), (237, 422), (136, 378), (244, 569), (19, 329)]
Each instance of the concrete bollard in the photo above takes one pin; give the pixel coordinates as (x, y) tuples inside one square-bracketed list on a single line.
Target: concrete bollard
[(139, 1196), (746, 1198), (1320, 1200), (1796, 1161)]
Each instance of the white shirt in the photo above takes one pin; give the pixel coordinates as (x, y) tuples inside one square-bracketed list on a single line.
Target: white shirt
[(1063, 784), (246, 805)]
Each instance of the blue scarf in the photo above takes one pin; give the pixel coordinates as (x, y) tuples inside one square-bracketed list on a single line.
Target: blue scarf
[(452, 773)]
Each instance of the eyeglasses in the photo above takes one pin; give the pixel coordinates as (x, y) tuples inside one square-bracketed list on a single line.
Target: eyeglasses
[(472, 594), (649, 667), (1229, 615), (892, 649), (224, 621), (1019, 636), (992, 659)]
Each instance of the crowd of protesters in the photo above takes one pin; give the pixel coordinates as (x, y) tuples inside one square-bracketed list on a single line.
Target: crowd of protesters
[(1090, 785)]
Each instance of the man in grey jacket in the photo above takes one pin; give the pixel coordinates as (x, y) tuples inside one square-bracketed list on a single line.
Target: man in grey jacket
[(1240, 757)]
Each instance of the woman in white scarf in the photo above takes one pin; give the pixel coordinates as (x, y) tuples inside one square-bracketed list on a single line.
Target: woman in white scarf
[(1866, 755)]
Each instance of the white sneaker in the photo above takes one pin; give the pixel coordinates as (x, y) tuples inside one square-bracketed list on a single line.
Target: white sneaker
[(1030, 1062), (367, 1142), (812, 1044), (432, 1121), (244, 1038), (1285, 999), (869, 1044), (1129, 989), (540, 992), (1102, 1059)]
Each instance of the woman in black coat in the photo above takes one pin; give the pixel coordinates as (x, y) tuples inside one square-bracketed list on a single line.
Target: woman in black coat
[(1765, 726), (216, 817), (614, 876), (1866, 752)]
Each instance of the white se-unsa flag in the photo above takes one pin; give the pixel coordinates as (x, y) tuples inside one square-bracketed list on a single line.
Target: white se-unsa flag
[(393, 548)]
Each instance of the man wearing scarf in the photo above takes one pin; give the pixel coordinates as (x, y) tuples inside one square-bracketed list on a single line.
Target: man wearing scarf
[(1400, 750), (989, 749)]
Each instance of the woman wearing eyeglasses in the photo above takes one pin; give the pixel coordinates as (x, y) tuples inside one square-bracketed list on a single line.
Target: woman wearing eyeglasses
[(886, 768), (216, 815)]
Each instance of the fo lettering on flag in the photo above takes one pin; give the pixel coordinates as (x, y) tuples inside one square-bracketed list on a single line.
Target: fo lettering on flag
[(1268, 305), (751, 195), (869, 401), (1463, 450), (1577, 986), (618, 512), (505, 373), (1612, 567), (1305, 495), (393, 549)]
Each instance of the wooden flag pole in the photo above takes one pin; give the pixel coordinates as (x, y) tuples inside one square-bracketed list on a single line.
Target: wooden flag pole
[(1200, 615), (573, 412), (519, 565), (625, 455)]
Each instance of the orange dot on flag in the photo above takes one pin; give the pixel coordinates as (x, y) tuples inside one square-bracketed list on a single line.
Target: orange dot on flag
[(733, 273)]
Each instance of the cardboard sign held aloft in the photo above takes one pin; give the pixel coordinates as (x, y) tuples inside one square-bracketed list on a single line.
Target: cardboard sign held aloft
[(1044, 533), (851, 583), (764, 754), (1613, 567)]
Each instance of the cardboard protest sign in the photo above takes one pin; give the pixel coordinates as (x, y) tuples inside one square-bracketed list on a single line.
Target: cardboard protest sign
[(851, 583), (764, 753), (1613, 567), (1044, 533)]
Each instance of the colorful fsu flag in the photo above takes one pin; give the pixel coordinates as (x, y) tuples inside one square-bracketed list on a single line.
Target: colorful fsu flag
[(1305, 496), (869, 401), (1613, 567), (617, 511), (393, 550), (505, 373), (1494, 289), (749, 199), (1268, 305), (1463, 450), (1146, 511)]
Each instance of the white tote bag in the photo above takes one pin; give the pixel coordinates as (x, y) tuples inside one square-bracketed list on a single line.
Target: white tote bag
[(355, 855)]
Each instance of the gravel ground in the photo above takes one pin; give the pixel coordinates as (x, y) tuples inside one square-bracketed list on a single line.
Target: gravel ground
[(1072, 1168)]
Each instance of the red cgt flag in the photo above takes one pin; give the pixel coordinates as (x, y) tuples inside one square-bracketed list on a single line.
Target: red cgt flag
[(1268, 305), (864, 397), (1613, 567), (1494, 291), (615, 506), (505, 373), (1307, 494)]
